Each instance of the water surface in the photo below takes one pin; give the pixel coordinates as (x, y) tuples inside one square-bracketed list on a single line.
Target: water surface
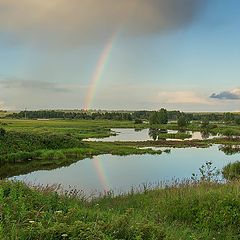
[(120, 173), (130, 134)]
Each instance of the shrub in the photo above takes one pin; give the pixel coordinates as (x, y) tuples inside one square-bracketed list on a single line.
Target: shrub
[(232, 171), (2, 132), (138, 121)]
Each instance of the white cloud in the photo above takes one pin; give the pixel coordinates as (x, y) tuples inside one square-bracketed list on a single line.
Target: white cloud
[(184, 97)]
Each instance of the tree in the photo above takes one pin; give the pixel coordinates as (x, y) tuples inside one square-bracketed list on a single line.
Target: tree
[(205, 123), (182, 122), (228, 117), (160, 117), (163, 116)]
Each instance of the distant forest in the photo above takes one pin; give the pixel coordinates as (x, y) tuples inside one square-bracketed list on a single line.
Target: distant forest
[(118, 115)]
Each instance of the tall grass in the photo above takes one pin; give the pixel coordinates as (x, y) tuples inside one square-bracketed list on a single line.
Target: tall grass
[(192, 210)]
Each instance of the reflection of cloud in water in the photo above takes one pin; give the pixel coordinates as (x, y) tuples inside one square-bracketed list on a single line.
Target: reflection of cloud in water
[(123, 172), (130, 134)]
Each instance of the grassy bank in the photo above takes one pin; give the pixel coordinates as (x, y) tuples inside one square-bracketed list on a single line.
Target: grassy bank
[(24, 162), (190, 211), (82, 128)]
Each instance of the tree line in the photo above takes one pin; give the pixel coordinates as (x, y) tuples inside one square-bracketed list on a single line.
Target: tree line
[(137, 116), (53, 114), (154, 117)]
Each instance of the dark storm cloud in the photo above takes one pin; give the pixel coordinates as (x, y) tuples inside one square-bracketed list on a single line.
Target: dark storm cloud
[(74, 22)]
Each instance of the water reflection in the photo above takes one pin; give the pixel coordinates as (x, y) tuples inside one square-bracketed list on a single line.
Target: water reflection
[(129, 134), (205, 134), (230, 149), (138, 129), (153, 133), (122, 172), (160, 134)]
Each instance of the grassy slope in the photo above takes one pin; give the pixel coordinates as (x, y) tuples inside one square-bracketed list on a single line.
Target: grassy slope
[(198, 211)]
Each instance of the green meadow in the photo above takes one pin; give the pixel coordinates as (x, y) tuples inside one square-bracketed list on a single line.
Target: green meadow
[(193, 209)]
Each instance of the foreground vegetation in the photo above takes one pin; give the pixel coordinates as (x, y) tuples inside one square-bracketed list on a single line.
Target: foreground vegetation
[(197, 210)]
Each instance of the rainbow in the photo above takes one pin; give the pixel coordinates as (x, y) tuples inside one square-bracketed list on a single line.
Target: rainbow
[(101, 174), (99, 70)]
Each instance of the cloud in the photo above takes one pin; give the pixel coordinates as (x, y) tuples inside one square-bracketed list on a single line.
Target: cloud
[(182, 97), (14, 83), (227, 95), (74, 22), (18, 94)]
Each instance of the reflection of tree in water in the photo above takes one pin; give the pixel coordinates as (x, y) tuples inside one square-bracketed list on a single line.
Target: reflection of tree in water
[(230, 149), (154, 133), (214, 134), (163, 131), (205, 134), (138, 129), (182, 131)]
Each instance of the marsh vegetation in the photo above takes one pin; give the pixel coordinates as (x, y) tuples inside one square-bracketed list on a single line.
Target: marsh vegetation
[(157, 147)]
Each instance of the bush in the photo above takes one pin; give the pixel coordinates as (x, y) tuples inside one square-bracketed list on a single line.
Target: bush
[(2, 132), (232, 171), (14, 142), (138, 121)]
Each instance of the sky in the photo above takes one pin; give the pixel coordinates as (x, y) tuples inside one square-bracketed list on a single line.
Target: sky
[(120, 54)]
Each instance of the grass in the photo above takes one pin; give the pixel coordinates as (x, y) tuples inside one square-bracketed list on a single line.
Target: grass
[(178, 135), (186, 211), (24, 162), (190, 210), (232, 171), (83, 128)]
